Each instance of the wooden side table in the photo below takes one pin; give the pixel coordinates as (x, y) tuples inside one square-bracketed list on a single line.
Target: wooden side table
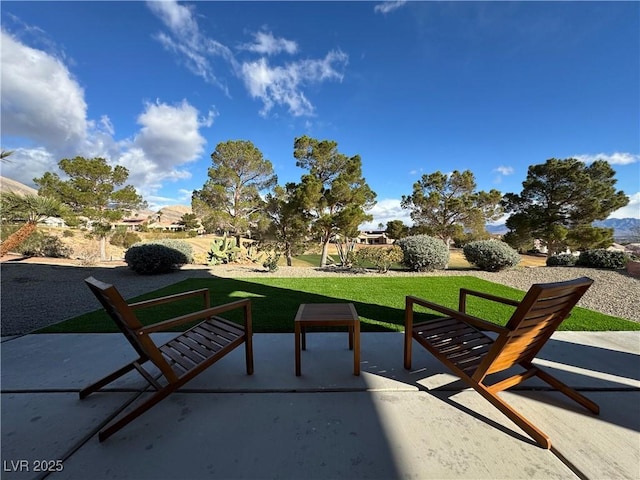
[(328, 315)]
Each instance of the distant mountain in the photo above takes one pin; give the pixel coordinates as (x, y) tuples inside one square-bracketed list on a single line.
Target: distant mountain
[(174, 213), (8, 185), (622, 227), (168, 215)]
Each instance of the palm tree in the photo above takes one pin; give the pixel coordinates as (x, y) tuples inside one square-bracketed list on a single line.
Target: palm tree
[(30, 209), (5, 153)]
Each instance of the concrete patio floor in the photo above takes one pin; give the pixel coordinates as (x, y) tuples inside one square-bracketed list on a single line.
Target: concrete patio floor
[(386, 423)]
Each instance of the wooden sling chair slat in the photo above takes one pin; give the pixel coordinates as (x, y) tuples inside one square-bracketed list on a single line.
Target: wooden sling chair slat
[(459, 342), (180, 359)]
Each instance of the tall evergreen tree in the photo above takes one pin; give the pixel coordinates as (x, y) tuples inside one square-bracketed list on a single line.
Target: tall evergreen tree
[(563, 196), (447, 205), (230, 199), (91, 192), (334, 191), (396, 229), (289, 223)]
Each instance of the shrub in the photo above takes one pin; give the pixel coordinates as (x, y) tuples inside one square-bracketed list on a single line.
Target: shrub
[(160, 256), (491, 255), (68, 233), (180, 245), (124, 239), (42, 245), (380, 257), (562, 260), (271, 263), (601, 258), (87, 255), (423, 253)]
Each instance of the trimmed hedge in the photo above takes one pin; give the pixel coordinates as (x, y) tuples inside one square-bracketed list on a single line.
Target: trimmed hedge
[(160, 256), (423, 253), (491, 255), (562, 260), (601, 258)]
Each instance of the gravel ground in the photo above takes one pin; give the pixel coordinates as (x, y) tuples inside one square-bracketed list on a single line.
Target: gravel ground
[(34, 295)]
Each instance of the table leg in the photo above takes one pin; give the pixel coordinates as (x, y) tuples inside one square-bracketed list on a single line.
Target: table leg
[(350, 337), (356, 348), (297, 349), (304, 338)]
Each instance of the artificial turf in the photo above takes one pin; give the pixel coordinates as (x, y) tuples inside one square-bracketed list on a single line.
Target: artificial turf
[(378, 300)]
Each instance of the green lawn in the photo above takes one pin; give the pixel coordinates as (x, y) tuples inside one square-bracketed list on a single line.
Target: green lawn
[(379, 302)]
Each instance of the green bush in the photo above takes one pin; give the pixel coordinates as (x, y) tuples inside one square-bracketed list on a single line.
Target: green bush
[(601, 258), (271, 263), (423, 253), (124, 238), (160, 256), (562, 260), (42, 245), (183, 247), (68, 233), (491, 255), (380, 257)]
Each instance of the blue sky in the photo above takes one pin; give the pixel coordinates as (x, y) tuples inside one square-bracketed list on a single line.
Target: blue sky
[(412, 87)]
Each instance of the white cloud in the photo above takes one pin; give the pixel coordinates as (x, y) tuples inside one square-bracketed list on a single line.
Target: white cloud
[(502, 170), (186, 41), (25, 164), (178, 18), (384, 211), (386, 7), (616, 158), (44, 121), (40, 98), (274, 85), (170, 134), (266, 44), (283, 85), (169, 138), (632, 210)]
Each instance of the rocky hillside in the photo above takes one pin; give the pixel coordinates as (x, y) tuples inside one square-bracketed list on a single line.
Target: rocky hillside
[(623, 228), (173, 213), (168, 215), (8, 185)]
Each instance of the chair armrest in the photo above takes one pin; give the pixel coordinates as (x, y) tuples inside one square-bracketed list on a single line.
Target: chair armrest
[(458, 315), (207, 312), (173, 298), (465, 291)]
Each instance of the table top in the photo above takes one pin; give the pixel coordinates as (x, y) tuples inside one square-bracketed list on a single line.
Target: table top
[(327, 312)]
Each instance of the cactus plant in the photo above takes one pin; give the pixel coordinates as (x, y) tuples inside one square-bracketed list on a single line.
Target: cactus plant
[(222, 250)]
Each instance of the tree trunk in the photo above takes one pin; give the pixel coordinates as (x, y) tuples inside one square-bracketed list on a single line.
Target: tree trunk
[(103, 248), (16, 238), (325, 251), (288, 255)]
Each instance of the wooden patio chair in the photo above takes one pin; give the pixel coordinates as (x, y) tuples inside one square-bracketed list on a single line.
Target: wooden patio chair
[(459, 343), (178, 360)]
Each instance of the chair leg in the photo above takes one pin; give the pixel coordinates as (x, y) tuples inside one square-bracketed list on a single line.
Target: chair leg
[(568, 391), (94, 387), (514, 416), (408, 341), (135, 413), (248, 353)]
